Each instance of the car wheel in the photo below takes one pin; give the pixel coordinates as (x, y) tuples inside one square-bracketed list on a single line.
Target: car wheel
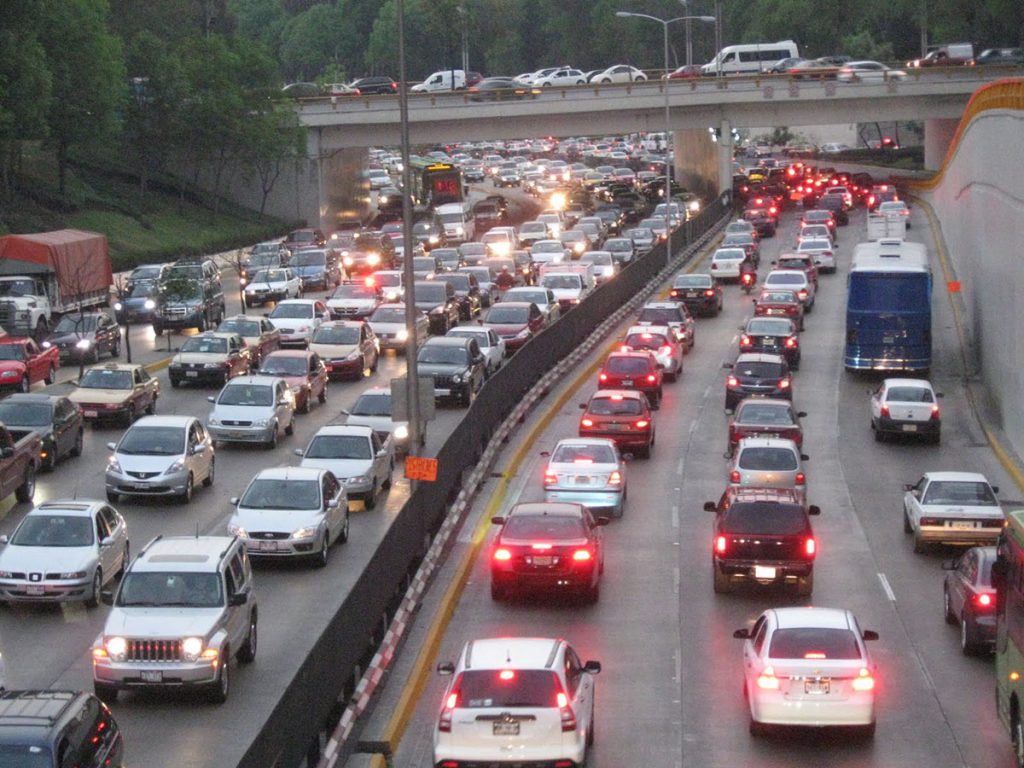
[(115, 350), (151, 408), (76, 450), (247, 653), (757, 729), (113, 497), (51, 375), (606, 81), (105, 693), (723, 584), (590, 730), (27, 489), (592, 594), (175, 383), (805, 585), (497, 593), (208, 480), (186, 496), (305, 403), (1018, 740), (343, 533), (50, 463), (322, 397), (323, 554), (158, 329), (371, 497), (24, 385), (272, 442), (919, 546), (93, 599), (126, 558), (222, 685), (94, 355), (290, 429), (969, 645), (907, 527)]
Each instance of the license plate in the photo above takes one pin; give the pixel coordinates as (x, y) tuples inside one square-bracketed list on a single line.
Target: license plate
[(268, 546), (616, 427), (152, 677), (774, 312), (910, 427), (963, 525), (582, 480), (769, 341), (542, 560), (692, 294), (764, 572), (192, 374), (237, 435), (138, 486), (506, 729), (888, 339), (35, 590), (816, 687), (627, 382), (90, 414)]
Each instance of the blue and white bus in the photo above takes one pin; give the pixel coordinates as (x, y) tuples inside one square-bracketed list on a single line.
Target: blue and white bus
[(889, 308)]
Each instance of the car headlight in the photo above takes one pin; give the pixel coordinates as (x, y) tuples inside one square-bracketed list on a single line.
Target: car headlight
[(383, 199), (83, 344), (434, 239), (401, 432), (118, 306), (74, 575), (47, 344), (459, 230), (348, 261), (457, 378), (191, 648), (117, 648), (237, 530), (354, 355), (307, 532), (211, 365), (523, 333), (6, 575), (358, 480), (9, 374), (261, 423), (177, 466), (213, 421), (114, 466), (373, 259), (403, 334)]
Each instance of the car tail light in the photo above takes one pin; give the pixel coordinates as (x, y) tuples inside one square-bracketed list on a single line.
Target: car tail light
[(666, 350), (721, 544), (802, 293), (602, 377), (550, 478), (566, 713), (732, 381), (801, 478), (885, 409), (673, 292), (929, 521), (615, 478), (791, 342), (642, 424), (651, 378), (582, 556), (734, 476), (984, 600), (587, 423), (871, 200), (745, 341), (503, 555), (783, 383), (864, 681), (773, 210), (767, 680), (444, 722), (714, 266), (935, 411), (810, 547), (710, 291)]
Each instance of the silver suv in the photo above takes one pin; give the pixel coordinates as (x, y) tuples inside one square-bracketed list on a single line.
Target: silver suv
[(185, 608)]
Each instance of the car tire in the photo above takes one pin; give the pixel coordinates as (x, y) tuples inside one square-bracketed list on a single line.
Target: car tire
[(907, 527), (935, 439), (24, 385), (758, 730), (126, 558), (920, 547), (722, 583), (592, 594), (51, 376), (322, 397), (151, 408), (247, 653), (323, 554), (175, 383), (93, 598), (1017, 735), (290, 429), (115, 350), (76, 450), (969, 645), (343, 533), (305, 403), (113, 497), (208, 480), (27, 489), (272, 442), (805, 585), (186, 496), (947, 608), (866, 731), (221, 687), (105, 693), (370, 501), (498, 594)]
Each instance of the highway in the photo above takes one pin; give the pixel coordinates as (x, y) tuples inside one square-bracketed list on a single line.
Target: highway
[(48, 646), (669, 694)]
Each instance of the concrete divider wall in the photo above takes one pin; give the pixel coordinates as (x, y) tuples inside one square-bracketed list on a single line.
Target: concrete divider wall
[(979, 200)]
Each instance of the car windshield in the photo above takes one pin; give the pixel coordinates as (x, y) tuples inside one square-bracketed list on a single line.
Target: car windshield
[(292, 312), (732, 254), (646, 341), (264, 260), (142, 290), (12, 352), (583, 453), (451, 218), (659, 315), (249, 328), (909, 395), (792, 262), (640, 234), (765, 517), (548, 247), (767, 459), (765, 414), (26, 414), (508, 315), (153, 441), (769, 327), (284, 366), (758, 370), (270, 276), (17, 288), (600, 259), (54, 531), (620, 244), (971, 492), (424, 264), (156, 589), (779, 297), (562, 282), (627, 366), (76, 324), (544, 527), (458, 282), (207, 346), (473, 249), (337, 334), (281, 493), (692, 281), (446, 255), (98, 378), (443, 355), (246, 394), (615, 406), (533, 227), (339, 447), (491, 688), (372, 404), (146, 273), (814, 643), (25, 756)]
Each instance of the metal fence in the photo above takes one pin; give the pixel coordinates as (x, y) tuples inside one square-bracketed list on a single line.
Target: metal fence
[(313, 702)]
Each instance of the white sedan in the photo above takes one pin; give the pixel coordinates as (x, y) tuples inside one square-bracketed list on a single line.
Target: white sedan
[(869, 72), (272, 285), (906, 407), (808, 667), (619, 73), (957, 508)]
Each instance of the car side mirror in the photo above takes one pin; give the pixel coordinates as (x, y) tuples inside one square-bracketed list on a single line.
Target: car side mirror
[(107, 541), (908, 487), (741, 634), (602, 520), (995, 489), (801, 414), (446, 668), (939, 395), (727, 366), (498, 520), (299, 452), (814, 509), (111, 446), (710, 506), (545, 454), (804, 457), (949, 565), (869, 634), (593, 667), (234, 501), (283, 401), (4, 538), (627, 457), (239, 598), (583, 406), (336, 500), (198, 449), (107, 596)]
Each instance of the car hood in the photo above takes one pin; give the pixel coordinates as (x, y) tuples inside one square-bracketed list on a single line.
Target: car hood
[(313, 269), (99, 395), (15, 558), (12, 365), (177, 621), (142, 463), (334, 351), (198, 357), (264, 285), (292, 323), (275, 520), (242, 412), (69, 338), (342, 468), (506, 329), (376, 423), (445, 369)]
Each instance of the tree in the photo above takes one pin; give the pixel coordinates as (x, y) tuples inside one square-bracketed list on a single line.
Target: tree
[(273, 137), (89, 85), (313, 39)]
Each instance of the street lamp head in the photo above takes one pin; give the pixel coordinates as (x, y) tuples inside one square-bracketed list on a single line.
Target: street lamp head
[(623, 14), (708, 19)]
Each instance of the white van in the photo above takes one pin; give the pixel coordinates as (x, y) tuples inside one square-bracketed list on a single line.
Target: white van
[(444, 80), (750, 59), (458, 222)]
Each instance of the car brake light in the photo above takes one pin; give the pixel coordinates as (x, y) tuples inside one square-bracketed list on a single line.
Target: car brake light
[(586, 422), (502, 554), (767, 680), (885, 409), (566, 713), (783, 383), (642, 424), (602, 377), (864, 681), (935, 411), (791, 342), (550, 478), (710, 291), (615, 478), (810, 547), (745, 341), (802, 293), (721, 544), (666, 350), (773, 210), (732, 381), (801, 478), (673, 292), (713, 266), (582, 555), (651, 378), (444, 722), (984, 600), (734, 476)]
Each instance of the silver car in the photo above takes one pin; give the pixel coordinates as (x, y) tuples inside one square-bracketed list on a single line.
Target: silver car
[(388, 325), (373, 409), (291, 512), (359, 457), (768, 462), (64, 551), (160, 456), (588, 471), (252, 409)]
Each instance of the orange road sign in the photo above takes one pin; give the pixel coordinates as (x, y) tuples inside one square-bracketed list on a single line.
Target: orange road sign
[(419, 468)]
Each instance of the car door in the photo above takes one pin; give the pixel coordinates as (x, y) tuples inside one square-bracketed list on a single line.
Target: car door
[(963, 579), (282, 407), (113, 555), (236, 581), (912, 500), (579, 687), (333, 514), (754, 646), (317, 375)]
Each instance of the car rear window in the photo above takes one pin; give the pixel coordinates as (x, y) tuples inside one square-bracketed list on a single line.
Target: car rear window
[(645, 341), (960, 492), (814, 643), (909, 395), (767, 458), (612, 406), (487, 688), (786, 279), (760, 413), (660, 316), (583, 453), (544, 527), (758, 370), (627, 365), (764, 517), (769, 327)]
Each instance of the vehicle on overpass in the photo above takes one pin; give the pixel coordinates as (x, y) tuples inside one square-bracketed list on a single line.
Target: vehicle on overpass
[(751, 58), (888, 308)]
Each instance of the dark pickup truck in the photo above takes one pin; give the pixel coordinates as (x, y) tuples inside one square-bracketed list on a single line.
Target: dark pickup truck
[(19, 461), (763, 536)]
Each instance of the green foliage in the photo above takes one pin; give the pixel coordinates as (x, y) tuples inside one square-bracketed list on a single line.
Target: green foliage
[(312, 40)]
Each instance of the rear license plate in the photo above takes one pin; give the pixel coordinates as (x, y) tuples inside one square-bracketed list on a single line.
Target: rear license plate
[(888, 339), (764, 572), (192, 374), (90, 414), (964, 525), (816, 687), (582, 480), (910, 427), (35, 590), (774, 312), (615, 427), (692, 294), (506, 729), (627, 382), (542, 560), (152, 677), (768, 341)]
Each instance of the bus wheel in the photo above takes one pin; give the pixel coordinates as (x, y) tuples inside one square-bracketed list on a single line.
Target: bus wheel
[(1018, 741)]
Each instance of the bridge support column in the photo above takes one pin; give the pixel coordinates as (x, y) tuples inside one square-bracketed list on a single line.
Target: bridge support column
[(938, 135), (343, 194), (724, 157), (695, 160)]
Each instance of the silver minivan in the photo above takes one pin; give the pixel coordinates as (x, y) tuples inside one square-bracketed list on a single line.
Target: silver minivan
[(252, 409)]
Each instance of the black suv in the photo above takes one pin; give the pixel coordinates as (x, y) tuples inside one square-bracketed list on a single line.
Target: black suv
[(438, 301), (763, 536), (756, 374), (457, 366), (375, 85), (54, 729), (834, 202), (184, 303)]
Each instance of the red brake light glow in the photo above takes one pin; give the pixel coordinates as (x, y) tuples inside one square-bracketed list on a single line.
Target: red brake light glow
[(767, 680), (791, 342), (864, 681), (642, 424), (615, 478), (745, 341), (732, 381), (984, 600), (801, 478), (721, 543), (502, 555), (783, 383), (734, 476), (815, 655), (810, 547), (602, 377), (581, 555), (506, 675), (709, 291), (586, 422), (550, 478)]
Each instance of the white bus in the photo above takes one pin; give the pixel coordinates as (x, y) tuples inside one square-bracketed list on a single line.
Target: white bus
[(750, 59)]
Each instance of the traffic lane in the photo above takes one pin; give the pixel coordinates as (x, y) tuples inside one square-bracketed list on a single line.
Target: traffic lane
[(637, 640), (876, 473)]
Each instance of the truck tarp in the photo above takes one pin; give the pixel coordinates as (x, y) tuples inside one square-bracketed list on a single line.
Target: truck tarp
[(79, 258)]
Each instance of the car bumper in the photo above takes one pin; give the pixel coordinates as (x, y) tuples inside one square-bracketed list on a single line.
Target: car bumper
[(776, 708), (235, 434), (280, 548), (393, 342), (589, 499), (544, 579), (345, 368), (701, 306), (104, 412), (572, 747), (258, 299), (14, 591), (296, 340), (124, 675), (765, 571), (733, 396), (900, 427), (161, 485), (622, 440), (940, 534), (198, 375)]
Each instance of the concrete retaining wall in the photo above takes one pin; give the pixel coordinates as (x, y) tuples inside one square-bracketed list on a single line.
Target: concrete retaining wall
[(980, 205)]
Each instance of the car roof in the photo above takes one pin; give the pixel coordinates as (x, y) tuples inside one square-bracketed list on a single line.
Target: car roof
[(825, 618), (644, 353), (291, 473), (444, 341), (33, 397), (625, 394), (767, 442), (114, 367), (68, 507), (660, 305), (921, 383), (957, 476), (298, 301), (20, 710), (183, 553), (164, 421), (552, 508), (651, 329), (769, 401), (506, 652)]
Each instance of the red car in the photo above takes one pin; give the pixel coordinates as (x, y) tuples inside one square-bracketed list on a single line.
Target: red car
[(633, 370), (780, 303), (514, 321), (23, 363), (304, 371), (764, 417), (621, 415)]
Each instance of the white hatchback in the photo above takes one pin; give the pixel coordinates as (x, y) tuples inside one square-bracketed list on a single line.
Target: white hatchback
[(808, 667), (725, 263), (524, 696)]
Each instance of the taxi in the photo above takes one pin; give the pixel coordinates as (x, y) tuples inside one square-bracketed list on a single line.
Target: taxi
[(116, 392)]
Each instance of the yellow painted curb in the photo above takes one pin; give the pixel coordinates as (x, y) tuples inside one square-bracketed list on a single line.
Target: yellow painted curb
[(395, 728), (159, 365)]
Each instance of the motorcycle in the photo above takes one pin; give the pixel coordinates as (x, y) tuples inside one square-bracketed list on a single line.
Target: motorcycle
[(747, 280)]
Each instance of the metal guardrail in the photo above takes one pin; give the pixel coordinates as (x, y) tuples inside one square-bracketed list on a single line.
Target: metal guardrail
[(316, 699)]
